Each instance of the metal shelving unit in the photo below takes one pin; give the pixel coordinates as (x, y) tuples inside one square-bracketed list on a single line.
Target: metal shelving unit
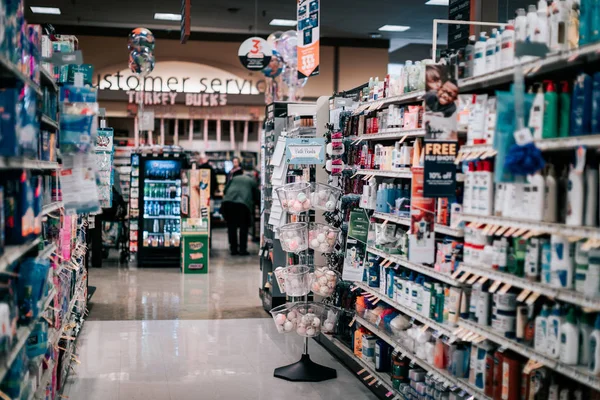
[(441, 375), (441, 328), (576, 373), (583, 232), (443, 229), (404, 98), (49, 122), (429, 271), (47, 79), (11, 71), (568, 296), (25, 163), (50, 208)]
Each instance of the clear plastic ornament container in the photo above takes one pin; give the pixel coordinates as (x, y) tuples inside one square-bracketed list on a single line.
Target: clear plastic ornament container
[(294, 237), (322, 237), (279, 277), (330, 319), (298, 280), (310, 317), (282, 198), (297, 197), (285, 318), (325, 197), (324, 281)]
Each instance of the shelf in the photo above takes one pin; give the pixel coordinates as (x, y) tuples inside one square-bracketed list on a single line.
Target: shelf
[(583, 232), (442, 229), (576, 373), (403, 173), (384, 378), (441, 328), (25, 163), (162, 181), (568, 296), (55, 338), (162, 217), (49, 122), (50, 208), (552, 62), (441, 375), (392, 133), (416, 267), (12, 71), (13, 253), (405, 98), (302, 130), (47, 80), (160, 199), (40, 393)]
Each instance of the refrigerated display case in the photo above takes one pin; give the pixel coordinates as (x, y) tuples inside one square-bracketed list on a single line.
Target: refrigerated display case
[(160, 210)]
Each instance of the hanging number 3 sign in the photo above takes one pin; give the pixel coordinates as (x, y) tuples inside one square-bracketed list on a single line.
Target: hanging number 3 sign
[(255, 53)]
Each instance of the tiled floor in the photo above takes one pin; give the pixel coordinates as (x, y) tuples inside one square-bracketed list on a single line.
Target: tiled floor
[(154, 334)]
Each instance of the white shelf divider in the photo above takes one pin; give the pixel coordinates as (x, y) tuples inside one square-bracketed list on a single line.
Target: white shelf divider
[(445, 230), (393, 133), (404, 173)]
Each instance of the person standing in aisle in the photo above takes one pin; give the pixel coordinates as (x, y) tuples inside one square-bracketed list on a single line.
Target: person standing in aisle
[(236, 170), (241, 195)]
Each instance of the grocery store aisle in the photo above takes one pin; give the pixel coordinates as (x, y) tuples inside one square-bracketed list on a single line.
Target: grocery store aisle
[(155, 334)]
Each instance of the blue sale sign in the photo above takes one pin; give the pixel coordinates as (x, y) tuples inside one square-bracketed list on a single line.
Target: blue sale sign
[(305, 151)]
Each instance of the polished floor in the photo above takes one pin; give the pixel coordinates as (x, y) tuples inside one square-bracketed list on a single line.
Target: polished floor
[(153, 334)]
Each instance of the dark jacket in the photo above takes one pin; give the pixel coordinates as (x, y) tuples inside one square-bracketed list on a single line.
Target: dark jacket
[(242, 189)]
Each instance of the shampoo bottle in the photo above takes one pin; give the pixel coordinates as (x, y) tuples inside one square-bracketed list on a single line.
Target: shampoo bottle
[(507, 48), (555, 321), (490, 52), (536, 197), (521, 25), (564, 115), (537, 114), (581, 105), (550, 111), (542, 33), (551, 194), (569, 339), (585, 333), (594, 362), (532, 22)]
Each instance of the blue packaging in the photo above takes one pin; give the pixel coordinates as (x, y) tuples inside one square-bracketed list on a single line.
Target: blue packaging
[(33, 277), (9, 145), (18, 208), (595, 117), (76, 94), (581, 105), (37, 342), (28, 123)]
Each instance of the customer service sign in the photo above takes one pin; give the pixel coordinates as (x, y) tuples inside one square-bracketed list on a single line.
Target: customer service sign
[(309, 21)]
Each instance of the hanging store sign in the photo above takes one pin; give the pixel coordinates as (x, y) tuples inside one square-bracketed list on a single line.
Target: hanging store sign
[(309, 19), (255, 53), (305, 151), (441, 136)]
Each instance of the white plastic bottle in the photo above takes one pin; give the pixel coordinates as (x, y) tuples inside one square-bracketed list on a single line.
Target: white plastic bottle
[(562, 263), (575, 196), (532, 22), (591, 197), (594, 362), (468, 191), (490, 52), (507, 50), (555, 321), (585, 332), (486, 188), (536, 197), (521, 25), (551, 196), (540, 340), (569, 339), (536, 116), (542, 33), (479, 62), (497, 53), (476, 189)]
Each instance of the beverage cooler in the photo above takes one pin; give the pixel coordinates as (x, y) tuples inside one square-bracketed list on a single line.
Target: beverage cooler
[(160, 210)]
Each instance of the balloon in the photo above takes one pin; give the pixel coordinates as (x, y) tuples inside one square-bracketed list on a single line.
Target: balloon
[(141, 38), (141, 62), (275, 67), (273, 38)]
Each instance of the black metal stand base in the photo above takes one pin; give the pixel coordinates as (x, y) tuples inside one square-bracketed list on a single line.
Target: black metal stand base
[(305, 370)]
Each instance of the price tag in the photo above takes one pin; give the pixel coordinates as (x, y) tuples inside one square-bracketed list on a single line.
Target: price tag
[(479, 339), (473, 279), (505, 288), (352, 322), (501, 231), (523, 295), (354, 288), (482, 280), (424, 328), (494, 286), (528, 367), (373, 381), (361, 371), (464, 277), (436, 334), (456, 273), (389, 394), (367, 377), (510, 232), (520, 232), (531, 299), (458, 331), (494, 229)]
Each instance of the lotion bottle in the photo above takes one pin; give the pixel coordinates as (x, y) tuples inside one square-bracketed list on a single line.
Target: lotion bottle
[(585, 333), (591, 197), (537, 114), (540, 342), (555, 321), (532, 22), (507, 48), (490, 52), (521, 25), (551, 194), (569, 339), (575, 196), (470, 56), (479, 62), (594, 362), (542, 33), (536, 194)]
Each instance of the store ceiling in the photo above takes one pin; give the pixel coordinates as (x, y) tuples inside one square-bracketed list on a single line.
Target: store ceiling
[(340, 18)]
